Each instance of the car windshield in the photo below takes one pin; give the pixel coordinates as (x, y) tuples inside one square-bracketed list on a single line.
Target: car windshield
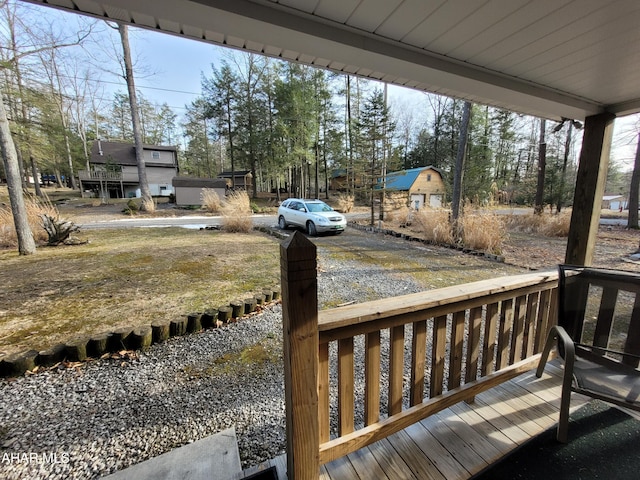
[(318, 207)]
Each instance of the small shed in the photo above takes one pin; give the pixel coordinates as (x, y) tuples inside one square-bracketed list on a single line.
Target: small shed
[(241, 179), (340, 181), (189, 190), (614, 202), (415, 187)]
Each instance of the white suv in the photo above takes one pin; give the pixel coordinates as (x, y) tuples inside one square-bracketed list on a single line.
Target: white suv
[(314, 216)]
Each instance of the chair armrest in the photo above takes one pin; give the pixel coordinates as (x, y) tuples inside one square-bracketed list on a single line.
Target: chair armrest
[(559, 337)]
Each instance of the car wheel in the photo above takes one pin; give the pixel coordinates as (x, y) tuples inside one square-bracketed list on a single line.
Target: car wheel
[(282, 223), (311, 229)]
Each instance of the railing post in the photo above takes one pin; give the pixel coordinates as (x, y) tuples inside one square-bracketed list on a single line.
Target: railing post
[(300, 336)]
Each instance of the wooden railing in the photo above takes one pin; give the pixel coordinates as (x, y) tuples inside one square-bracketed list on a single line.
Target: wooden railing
[(392, 362), (107, 176)]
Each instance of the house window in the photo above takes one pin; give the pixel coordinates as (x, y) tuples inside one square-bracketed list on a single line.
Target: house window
[(155, 155), (428, 177)]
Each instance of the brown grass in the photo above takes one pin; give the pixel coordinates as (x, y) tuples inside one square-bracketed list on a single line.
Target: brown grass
[(236, 211), (433, 223), (211, 200), (344, 203), (483, 231), (398, 216), (549, 225), (35, 208), (127, 277)]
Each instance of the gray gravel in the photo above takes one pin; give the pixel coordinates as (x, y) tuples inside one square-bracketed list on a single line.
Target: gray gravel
[(108, 414)]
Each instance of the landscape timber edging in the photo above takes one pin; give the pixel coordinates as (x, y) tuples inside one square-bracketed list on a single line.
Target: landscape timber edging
[(82, 348)]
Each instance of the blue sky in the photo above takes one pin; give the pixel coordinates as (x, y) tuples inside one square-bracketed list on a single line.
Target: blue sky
[(178, 64)]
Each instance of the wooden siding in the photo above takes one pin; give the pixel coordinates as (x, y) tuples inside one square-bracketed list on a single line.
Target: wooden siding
[(428, 182)]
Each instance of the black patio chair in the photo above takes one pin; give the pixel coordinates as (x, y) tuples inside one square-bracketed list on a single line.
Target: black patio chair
[(590, 366)]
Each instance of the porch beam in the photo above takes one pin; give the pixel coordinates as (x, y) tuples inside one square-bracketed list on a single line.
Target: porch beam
[(590, 184)]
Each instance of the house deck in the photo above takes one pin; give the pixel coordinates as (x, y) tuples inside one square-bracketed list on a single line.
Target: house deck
[(458, 442)]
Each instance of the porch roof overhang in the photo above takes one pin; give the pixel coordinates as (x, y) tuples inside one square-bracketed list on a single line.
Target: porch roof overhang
[(549, 58)]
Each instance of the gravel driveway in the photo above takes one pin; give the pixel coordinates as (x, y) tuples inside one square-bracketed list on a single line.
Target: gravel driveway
[(105, 415)]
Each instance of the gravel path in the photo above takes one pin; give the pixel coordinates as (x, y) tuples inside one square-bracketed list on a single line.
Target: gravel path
[(104, 415)]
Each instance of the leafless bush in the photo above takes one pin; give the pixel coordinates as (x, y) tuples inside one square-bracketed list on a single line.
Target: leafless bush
[(211, 200), (236, 212)]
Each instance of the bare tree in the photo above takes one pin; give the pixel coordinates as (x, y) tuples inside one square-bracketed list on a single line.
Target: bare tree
[(26, 243), (457, 180), (147, 200), (542, 165), (632, 219), (52, 71)]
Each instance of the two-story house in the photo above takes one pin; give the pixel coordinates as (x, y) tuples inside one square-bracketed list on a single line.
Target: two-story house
[(114, 170)]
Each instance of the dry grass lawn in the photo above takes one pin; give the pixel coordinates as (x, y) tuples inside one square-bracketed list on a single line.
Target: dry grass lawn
[(125, 277)]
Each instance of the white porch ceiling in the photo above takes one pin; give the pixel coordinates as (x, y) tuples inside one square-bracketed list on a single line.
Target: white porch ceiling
[(549, 58)]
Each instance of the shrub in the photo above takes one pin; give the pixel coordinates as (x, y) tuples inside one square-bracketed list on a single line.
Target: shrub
[(236, 212), (211, 200), (345, 202), (434, 224), (35, 209), (132, 205)]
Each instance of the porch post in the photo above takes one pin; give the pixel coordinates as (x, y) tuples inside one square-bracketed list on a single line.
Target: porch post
[(590, 183), (300, 336)]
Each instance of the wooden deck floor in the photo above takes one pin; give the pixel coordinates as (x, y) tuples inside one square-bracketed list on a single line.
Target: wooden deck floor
[(459, 442)]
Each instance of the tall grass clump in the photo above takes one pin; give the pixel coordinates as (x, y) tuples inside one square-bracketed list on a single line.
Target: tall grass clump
[(434, 225), (35, 209), (483, 231), (544, 224), (398, 216), (236, 213), (345, 202), (211, 200)]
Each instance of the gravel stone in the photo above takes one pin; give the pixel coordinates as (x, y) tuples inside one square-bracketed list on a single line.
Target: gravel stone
[(104, 415)]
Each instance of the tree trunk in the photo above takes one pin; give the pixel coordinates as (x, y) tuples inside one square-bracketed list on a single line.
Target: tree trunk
[(565, 160), (457, 180), (632, 220), (26, 244), (147, 200), (542, 165)]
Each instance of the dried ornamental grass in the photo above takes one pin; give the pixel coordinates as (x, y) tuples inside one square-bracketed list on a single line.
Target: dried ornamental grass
[(399, 216), (345, 202), (35, 209), (211, 200), (236, 213), (434, 224), (544, 224), (485, 232)]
